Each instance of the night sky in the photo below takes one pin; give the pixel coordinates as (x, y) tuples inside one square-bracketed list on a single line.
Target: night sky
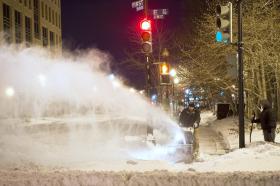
[(104, 23)]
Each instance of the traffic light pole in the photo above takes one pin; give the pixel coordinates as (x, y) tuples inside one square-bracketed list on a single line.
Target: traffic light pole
[(148, 66), (148, 77), (241, 79), (146, 8)]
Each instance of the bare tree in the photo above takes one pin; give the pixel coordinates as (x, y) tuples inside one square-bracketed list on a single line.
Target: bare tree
[(203, 62)]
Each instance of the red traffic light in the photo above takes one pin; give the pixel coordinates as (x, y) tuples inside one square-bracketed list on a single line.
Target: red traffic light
[(146, 36), (145, 24)]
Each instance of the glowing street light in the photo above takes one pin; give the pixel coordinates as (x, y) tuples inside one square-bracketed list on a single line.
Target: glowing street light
[(173, 72), (111, 77), (10, 92), (187, 91), (132, 90), (176, 80), (154, 97), (42, 80), (116, 83)]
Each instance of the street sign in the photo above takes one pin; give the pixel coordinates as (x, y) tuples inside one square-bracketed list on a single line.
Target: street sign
[(158, 16), (139, 5), (159, 13)]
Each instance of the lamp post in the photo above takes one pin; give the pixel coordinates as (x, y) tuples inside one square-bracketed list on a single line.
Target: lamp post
[(175, 80), (173, 74), (165, 87)]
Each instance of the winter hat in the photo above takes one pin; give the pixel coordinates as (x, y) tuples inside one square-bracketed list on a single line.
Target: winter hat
[(265, 104)]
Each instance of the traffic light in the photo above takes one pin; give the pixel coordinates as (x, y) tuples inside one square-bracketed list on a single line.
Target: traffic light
[(224, 23), (164, 73), (146, 35)]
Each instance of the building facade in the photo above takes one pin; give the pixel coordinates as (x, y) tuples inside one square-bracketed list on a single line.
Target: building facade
[(33, 22)]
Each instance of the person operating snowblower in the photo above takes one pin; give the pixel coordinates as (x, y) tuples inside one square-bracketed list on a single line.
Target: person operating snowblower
[(189, 120), (190, 117)]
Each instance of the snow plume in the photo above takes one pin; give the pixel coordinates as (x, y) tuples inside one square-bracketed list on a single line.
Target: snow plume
[(58, 110)]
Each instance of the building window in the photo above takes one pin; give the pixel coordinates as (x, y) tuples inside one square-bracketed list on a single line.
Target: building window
[(29, 4), (59, 21), (28, 32), (36, 19), (52, 43), (42, 7), (18, 27), (36, 4), (7, 23), (20, 1), (46, 12), (50, 15), (53, 17), (45, 36), (56, 19), (25, 3)]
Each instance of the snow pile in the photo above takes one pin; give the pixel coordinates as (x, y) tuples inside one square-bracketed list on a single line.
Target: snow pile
[(228, 127), (163, 178), (258, 156), (207, 118)]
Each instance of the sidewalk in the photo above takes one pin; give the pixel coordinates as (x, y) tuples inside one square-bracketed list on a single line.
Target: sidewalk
[(208, 140)]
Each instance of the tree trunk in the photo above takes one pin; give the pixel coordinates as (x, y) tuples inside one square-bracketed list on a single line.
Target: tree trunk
[(263, 81), (277, 96)]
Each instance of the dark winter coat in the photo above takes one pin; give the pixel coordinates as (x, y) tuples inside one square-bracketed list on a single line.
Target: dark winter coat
[(267, 117), (188, 118)]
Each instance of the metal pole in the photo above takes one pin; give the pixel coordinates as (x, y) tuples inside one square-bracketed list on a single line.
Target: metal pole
[(146, 8), (173, 97), (148, 79), (148, 72), (241, 80)]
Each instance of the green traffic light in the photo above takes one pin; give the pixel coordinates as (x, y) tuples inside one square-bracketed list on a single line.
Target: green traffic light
[(219, 36)]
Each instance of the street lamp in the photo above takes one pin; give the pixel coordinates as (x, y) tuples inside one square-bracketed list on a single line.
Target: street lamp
[(9, 92), (132, 90), (42, 80), (173, 73), (176, 80)]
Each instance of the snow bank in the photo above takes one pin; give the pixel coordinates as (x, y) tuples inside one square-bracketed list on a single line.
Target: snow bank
[(162, 178), (228, 128), (259, 156)]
